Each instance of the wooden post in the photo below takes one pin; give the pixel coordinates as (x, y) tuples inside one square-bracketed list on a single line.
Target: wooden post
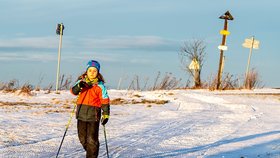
[(227, 16), (221, 57)]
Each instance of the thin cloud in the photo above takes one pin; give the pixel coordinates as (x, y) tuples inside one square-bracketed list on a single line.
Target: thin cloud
[(116, 42), (102, 56), (29, 42), (52, 56), (140, 61), (113, 49), (125, 42), (19, 56)]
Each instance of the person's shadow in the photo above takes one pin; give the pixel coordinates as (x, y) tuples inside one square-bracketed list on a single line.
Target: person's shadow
[(179, 152)]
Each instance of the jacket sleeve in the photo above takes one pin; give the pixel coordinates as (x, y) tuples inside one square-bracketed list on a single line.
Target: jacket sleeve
[(105, 100), (76, 88)]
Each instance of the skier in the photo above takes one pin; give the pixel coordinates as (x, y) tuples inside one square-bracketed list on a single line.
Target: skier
[(92, 100)]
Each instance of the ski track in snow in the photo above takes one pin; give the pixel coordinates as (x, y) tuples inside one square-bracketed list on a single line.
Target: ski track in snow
[(192, 124)]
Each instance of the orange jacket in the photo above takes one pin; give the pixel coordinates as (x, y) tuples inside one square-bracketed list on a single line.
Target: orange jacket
[(93, 96), (90, 101)]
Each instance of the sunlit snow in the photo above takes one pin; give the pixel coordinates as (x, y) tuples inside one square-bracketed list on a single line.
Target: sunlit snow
[(194, 123)]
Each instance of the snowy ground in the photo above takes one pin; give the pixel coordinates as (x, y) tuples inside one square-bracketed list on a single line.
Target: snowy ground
[(194, 123)]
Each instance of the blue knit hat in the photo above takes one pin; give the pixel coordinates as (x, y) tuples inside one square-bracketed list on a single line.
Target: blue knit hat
[(93, 63)]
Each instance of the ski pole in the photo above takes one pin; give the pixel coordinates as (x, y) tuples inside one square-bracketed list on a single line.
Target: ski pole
[(106, 141), (69, 121)]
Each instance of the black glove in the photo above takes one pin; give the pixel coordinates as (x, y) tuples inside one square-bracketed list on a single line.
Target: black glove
[(83, 84), (104, 119)]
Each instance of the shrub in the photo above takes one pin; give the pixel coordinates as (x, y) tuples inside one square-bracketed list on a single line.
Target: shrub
[(26, 89), (168, 82), (11, 86), (252, 80), (65, 82), (228, 82)]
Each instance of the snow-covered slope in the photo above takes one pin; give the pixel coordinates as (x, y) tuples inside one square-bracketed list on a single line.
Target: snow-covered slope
[(194, 123)]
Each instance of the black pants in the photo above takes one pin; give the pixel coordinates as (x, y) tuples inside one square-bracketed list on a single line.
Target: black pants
[(88, 136)]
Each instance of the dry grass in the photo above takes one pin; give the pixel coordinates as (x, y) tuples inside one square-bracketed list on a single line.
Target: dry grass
[(21, 103), (170, 93), (137, 95), (66, 106), (37, 108), (253, 80), (121, 101), (118, 101), (146, 101), (49, 88), (55, 111), (65, 82), (228, 82), (26, 89), (149, 106), (10, 86), (15, 103), (168, 82), (13, 85)]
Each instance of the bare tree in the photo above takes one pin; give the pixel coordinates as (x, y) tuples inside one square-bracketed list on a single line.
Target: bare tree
[(193, 51)]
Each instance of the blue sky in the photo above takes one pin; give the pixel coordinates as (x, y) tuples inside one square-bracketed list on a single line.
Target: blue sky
[(133, 37)]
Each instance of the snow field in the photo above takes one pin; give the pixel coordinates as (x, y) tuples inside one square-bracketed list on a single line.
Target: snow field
[(194, 123)]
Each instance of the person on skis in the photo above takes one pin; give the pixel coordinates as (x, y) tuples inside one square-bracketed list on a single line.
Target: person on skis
[(92, 102)]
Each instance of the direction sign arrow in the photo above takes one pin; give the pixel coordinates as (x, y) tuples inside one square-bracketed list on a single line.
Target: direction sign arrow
[(248, 43)]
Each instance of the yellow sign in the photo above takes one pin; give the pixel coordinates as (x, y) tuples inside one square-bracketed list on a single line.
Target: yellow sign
[(194, 65), (224, 32)]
